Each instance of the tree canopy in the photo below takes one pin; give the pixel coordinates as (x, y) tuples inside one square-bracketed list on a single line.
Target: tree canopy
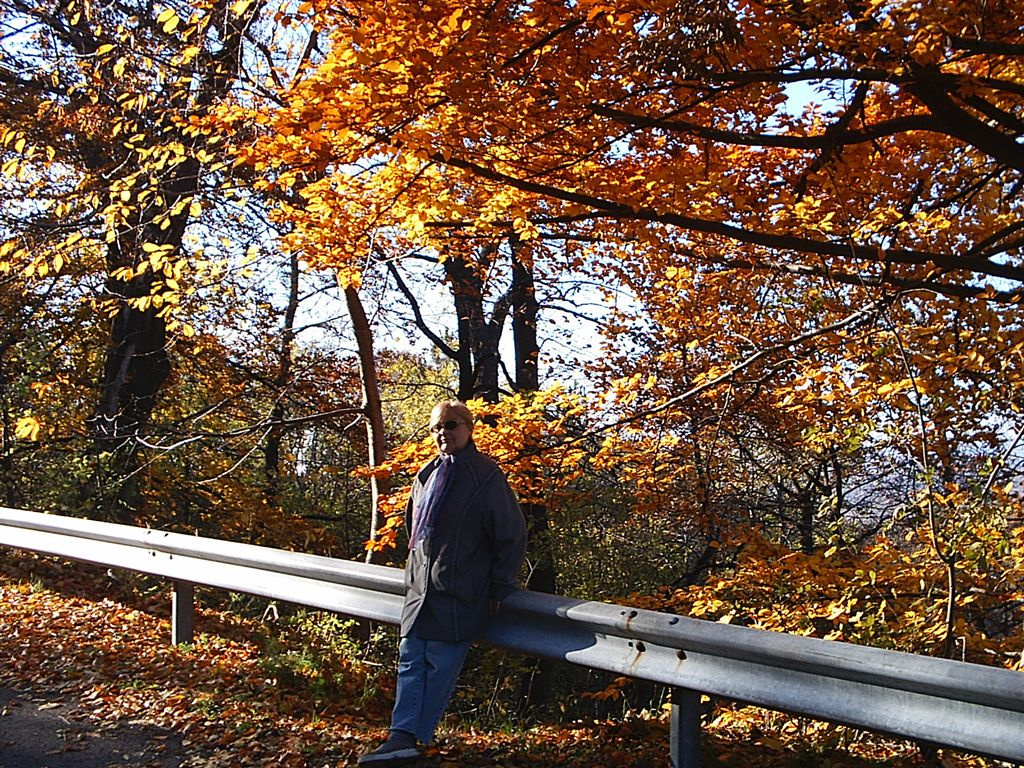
[(729, 285)]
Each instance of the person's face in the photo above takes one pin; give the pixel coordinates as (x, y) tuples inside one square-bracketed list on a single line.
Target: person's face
[(451, 433)]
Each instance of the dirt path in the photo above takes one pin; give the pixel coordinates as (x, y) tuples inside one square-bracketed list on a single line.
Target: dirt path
[(47, 729)]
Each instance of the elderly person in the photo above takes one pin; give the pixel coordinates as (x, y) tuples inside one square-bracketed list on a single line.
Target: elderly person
[(467, 540)]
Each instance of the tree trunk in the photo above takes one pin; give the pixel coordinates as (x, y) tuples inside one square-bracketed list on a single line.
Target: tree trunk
[(478, 355), (949, 642), (285, 361), (376, 438), (524, 323), (536, 684), (137, 363)]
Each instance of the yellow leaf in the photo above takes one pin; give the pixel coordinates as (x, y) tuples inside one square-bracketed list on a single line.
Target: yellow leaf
[(452, 23), (27, 428), (240, 7), (895, 386), (172, 23)]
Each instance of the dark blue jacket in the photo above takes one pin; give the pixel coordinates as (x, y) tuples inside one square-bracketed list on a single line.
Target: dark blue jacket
[(473, 556)]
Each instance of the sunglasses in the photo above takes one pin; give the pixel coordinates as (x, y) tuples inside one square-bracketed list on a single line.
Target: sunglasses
[(448, 425)]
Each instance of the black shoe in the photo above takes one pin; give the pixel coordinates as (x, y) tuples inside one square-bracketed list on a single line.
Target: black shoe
[(399, 749)]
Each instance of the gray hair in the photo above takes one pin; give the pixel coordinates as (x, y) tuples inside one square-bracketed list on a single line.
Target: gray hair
[(456, 408)]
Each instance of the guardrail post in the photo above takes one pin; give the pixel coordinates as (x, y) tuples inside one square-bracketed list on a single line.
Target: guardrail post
[(684, 746), (183, 612)]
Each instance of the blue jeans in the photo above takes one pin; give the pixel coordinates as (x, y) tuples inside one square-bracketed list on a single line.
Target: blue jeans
[(427, 672)]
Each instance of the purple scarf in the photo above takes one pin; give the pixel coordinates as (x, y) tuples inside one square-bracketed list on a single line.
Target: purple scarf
[(433, 496)]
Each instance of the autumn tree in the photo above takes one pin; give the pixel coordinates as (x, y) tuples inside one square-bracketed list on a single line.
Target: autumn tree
[(834, 188), (797, 228), (98, 104)]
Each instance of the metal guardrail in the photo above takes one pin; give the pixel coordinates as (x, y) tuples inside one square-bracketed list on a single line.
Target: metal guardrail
[(967, 707)]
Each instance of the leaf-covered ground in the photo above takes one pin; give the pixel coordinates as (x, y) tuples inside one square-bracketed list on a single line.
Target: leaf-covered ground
[(79, 631)]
